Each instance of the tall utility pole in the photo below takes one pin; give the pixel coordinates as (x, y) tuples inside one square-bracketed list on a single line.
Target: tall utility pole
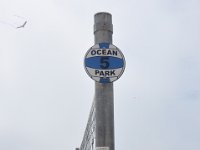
[(104, 63), (104, 100)]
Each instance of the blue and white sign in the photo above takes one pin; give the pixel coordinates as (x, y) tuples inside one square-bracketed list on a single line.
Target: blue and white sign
[(104, 63)]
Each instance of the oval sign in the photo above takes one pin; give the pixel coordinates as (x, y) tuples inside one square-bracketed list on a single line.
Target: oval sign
[(104, 63)]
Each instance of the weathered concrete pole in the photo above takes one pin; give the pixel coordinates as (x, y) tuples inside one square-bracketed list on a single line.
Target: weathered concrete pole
[(104, 101)]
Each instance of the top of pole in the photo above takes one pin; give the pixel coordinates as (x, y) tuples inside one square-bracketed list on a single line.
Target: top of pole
[(103, 21), (103, 28)]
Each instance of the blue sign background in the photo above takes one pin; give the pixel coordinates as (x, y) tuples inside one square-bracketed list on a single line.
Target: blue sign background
[(95, 62)]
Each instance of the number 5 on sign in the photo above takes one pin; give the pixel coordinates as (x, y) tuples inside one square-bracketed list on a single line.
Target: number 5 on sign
[(104, 62)]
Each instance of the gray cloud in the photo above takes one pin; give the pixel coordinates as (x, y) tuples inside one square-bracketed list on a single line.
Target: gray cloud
[(45, 94)]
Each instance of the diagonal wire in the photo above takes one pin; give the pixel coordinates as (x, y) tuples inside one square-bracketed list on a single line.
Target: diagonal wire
[(89, 135)]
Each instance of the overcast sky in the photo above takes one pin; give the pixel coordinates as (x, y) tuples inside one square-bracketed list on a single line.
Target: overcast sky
[(46, 95)]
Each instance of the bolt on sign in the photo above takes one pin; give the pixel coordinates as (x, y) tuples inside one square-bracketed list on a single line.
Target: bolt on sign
[(104, 63), (102, 148)]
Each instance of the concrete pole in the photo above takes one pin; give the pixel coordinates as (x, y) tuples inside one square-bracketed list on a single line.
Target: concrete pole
[(104, 101)]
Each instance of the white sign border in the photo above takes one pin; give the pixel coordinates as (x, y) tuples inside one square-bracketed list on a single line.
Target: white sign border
[(111, 46)]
